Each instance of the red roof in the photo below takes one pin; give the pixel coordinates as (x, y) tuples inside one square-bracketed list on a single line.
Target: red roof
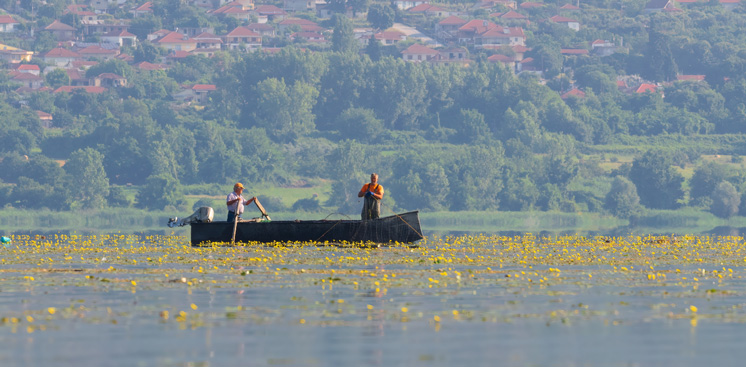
[(242, 32), (59, 26), (204, 87), (503, 32), (26, 76), (420, 50), (88, 89), (644, 87), (61, 52), (28, 67), (477, 25), (452, 20), (43, 115), (7, 19), (500, 58), (269, 10), (175, 37), (512, 14), (575, 92), (148, 6)]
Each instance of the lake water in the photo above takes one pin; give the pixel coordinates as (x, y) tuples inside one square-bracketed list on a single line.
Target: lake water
[(126, 300)]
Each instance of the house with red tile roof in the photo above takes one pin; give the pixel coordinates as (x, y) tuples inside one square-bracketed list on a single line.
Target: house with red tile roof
[(77, 77), (61, 31), (143, 10), (8, 24), (175, 41), (603, 48), (390, 37), (510, 15), (569, 22), (46, 118), (123, 38), (264, 29), (499, 36), (429, 10), (575, 92), (508, 61), (208, 41), (96, 52), (450, 24), (28, 80), (28, 68), (271, 12), (234, 9), (418, 53), (473, 28), (242, 37), (61, 56), (646, 88)]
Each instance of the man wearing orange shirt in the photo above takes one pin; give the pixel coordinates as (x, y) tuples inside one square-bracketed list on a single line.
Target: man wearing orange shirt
[(372, 193)]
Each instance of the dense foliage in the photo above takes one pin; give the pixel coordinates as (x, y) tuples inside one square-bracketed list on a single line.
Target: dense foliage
[(443, 137)]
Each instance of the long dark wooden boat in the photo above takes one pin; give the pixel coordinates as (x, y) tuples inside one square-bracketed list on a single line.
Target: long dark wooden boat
[(402, 228)]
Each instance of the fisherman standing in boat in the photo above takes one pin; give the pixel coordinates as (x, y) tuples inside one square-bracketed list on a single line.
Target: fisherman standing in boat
[(236, 202), (373, 193)]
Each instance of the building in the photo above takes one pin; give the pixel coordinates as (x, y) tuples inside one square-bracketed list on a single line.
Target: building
[(8, 24), (61, 31)]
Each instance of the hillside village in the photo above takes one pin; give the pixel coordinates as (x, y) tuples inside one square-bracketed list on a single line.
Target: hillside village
[(86, 34)]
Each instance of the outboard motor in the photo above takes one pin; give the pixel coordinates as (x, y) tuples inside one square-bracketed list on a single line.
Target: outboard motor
[(202, 215)]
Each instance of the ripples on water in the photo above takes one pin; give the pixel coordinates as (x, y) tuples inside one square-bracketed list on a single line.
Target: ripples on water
[(117, 300)]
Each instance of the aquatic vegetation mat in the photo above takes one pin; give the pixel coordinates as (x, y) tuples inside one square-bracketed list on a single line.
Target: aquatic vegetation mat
[(150, 292)]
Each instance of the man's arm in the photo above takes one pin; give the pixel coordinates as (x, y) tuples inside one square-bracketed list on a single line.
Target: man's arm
[(362, 192)]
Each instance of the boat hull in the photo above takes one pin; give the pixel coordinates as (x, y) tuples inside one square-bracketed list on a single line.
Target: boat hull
[(403, 228)]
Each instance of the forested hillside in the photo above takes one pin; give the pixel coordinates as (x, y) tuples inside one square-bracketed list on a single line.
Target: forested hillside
[(574, 134)]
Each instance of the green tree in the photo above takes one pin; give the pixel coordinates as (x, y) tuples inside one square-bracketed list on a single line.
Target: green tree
[(360, 124), (57, 78), (88, 183), (658, 183), (622, 200), (725, 200), (343, 38), (381, 16), (160, 192), (661, 65), (704, 180), (285, 112)]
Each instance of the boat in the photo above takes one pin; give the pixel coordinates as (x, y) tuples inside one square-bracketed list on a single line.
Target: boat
[(398, 228), (401, 228)]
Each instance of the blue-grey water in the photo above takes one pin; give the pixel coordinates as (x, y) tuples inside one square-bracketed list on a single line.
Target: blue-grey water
[(109, 310)]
